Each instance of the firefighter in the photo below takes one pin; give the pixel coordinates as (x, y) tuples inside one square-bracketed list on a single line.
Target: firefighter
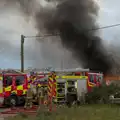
[(83, 96), (42, 97), (29, 98), (45, 96)]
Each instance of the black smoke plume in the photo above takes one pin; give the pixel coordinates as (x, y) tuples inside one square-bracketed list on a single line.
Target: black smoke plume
[(74, 20)]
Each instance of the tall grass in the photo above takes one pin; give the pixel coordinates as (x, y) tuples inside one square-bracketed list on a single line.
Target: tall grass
[(86, 112)]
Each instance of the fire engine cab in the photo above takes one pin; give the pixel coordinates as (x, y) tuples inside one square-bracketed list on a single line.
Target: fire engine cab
[(13, 88)]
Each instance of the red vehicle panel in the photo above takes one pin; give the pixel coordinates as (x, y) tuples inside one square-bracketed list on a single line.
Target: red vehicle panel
[(94, 79), (14, 83)]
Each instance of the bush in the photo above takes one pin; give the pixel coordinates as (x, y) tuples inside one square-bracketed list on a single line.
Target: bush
[(101, 94)]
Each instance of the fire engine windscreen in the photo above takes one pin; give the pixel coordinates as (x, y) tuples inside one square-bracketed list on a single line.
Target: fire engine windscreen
[(74, 20)]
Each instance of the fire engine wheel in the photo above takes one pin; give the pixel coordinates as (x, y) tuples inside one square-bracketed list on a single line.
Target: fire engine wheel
[(13, 101)]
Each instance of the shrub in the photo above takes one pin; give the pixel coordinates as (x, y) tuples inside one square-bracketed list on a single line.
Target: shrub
[(101, 94)]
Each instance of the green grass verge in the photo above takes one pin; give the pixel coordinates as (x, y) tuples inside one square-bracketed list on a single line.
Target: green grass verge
[(87, 112)]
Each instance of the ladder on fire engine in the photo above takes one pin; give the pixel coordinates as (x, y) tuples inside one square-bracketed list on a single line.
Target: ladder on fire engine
[(60, 96), (71, 96), (67, 85), (64, 85), (71, 86)]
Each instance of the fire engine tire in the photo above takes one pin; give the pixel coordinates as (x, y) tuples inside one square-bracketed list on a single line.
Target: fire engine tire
[(13, 100)]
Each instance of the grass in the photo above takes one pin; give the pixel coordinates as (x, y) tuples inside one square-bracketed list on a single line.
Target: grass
[(86, 112)]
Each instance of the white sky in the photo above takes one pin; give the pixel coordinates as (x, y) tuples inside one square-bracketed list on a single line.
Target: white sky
[(110, 14)]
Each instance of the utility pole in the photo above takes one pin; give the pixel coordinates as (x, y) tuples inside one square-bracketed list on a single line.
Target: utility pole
[(63, 60), (22, 53), (22, 47)]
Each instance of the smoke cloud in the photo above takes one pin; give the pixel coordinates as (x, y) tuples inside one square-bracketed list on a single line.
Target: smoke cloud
[(73, 20), (12, 25), (18, 17)]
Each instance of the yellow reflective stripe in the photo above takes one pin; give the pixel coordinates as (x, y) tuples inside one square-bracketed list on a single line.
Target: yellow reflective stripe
[(49, 88), (8, 88), (20, 87), (49, 94), (50, 78), (72, 77), (28, 86), (1, 90), (41, 96), (1, 78), (91, 84), (14, 91), (58, 77), (24, 92), (39, 85), (34, 79)]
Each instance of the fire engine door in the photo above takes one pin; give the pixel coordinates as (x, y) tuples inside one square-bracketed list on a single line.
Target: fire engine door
[(1, 85), (91, 80), (20, 80), (1, 90), (81, 87), (7, 83), (99, 79)]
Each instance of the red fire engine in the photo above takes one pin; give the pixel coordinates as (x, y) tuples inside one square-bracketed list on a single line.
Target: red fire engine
[(13, 87), (94, 79)]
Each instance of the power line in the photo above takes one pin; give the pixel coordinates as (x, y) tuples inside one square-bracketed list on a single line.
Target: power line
[(46, 35), (104, 27), (89, 30)]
